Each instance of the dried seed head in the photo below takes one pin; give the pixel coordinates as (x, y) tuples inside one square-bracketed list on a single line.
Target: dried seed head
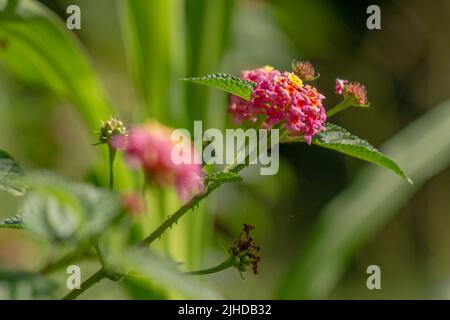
[(244, 251)]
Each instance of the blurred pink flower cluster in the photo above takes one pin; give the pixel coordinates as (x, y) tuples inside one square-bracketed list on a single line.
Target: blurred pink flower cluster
[(280, 98), (149, 147)]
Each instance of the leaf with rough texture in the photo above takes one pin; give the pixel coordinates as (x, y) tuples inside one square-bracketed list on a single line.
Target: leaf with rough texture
[(10, 171), (61, 210), (227, 83), (14, 222), (339, 139)]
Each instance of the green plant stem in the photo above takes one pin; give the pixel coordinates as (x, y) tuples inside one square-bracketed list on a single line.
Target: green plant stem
[(179, 213), (112, 158), (191, 204), (95, 278), (344, 104), (76, 254), (101, 274), (162, 209), (223, 266), (100, 255)]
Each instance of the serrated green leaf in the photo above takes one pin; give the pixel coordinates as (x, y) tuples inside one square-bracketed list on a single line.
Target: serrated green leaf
[(14, 222), (339, 139), (10, 171), (227, 83)]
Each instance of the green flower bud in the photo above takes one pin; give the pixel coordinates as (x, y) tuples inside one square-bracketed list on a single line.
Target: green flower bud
[(245, 260), (235, 261), (110, 128)]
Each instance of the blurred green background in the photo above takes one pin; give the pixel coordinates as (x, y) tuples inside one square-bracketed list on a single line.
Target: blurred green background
[(325, 217)]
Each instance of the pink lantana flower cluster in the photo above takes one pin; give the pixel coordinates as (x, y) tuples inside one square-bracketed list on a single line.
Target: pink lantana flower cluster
[(352, 90), (280, 98), (149, 147)]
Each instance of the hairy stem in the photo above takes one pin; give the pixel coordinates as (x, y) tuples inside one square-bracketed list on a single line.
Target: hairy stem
[(179, 213), (96, 277), (101, 274)]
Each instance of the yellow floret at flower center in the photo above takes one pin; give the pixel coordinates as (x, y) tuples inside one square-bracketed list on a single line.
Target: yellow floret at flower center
[(268, 68), (295, 80)]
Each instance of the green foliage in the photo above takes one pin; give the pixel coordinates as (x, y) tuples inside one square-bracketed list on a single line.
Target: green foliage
[(227, 83), (208, 31), (334, 137), (153, 36), (374, 197), (339, 139), (153, 270), (14, 222), (142, 291), (24, 286), (41, 51), (38, 49), (10, 172), (59, 210)]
